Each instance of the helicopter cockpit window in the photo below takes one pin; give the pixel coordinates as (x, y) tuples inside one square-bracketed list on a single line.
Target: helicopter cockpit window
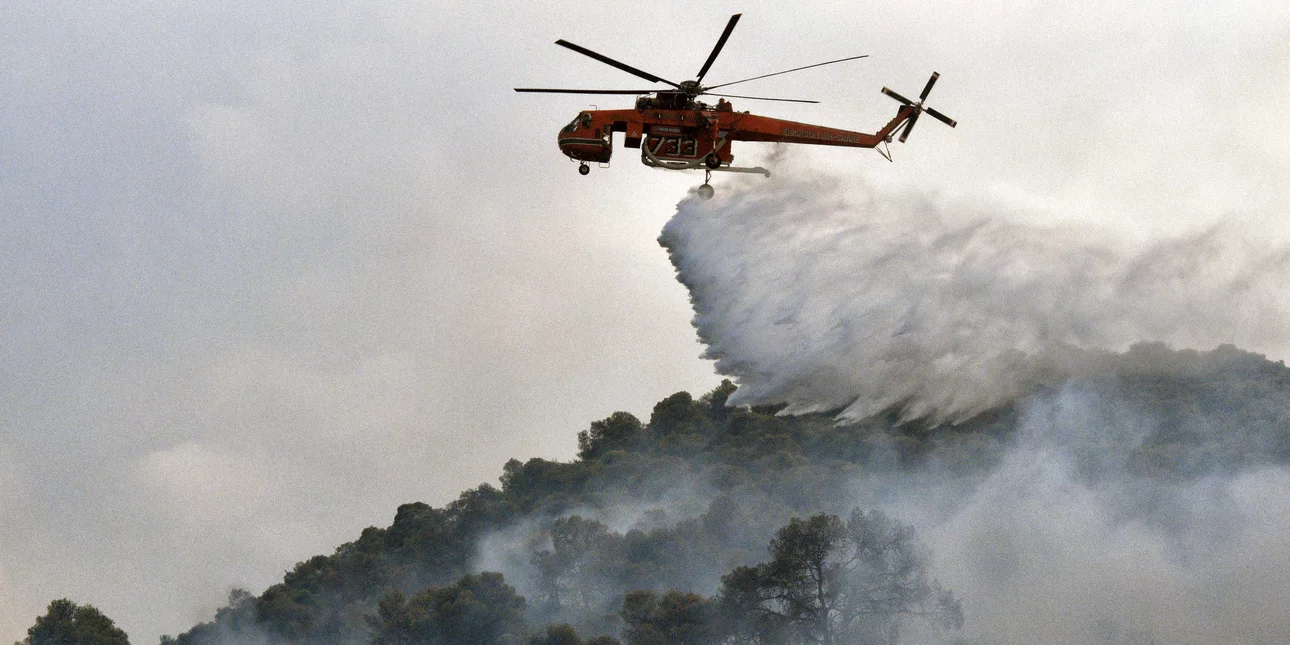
[(582, 120)]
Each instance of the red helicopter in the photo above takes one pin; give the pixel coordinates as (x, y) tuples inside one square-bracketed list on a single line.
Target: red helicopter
[(676, 131)]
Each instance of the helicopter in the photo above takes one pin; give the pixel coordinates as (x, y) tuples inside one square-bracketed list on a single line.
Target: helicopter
[(674, 130)]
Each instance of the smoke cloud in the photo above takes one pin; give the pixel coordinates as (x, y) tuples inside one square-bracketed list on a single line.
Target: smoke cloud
[(1055, 546), (832, 297), (844, 299)]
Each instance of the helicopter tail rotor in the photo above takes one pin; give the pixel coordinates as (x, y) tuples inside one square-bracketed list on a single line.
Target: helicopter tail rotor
[(919, 108)]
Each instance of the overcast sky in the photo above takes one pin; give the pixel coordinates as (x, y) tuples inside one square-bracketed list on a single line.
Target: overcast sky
[(269, 271)]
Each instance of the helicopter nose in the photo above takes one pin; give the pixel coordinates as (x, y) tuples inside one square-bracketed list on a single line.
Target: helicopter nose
[(578, 148), (567, 140)]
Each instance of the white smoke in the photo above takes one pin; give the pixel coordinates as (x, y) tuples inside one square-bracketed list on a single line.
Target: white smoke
[(1051, 548), (832, 297)]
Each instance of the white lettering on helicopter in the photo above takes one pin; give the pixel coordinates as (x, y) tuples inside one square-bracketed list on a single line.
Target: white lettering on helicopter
[(665, 128), (822, 136)]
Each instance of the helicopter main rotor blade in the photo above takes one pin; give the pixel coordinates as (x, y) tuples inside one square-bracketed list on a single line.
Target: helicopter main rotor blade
[(760, 98), (897, 96), (795, 69), (927, 89), (909, 127), (613, 63), (941, 117), (545, 90), (721, 42)]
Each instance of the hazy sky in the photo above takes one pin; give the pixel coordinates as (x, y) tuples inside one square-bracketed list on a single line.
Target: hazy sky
[(269, 271)]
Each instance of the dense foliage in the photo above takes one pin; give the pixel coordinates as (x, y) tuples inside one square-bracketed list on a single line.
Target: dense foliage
[(833, 581), (682, 529), (480, 609), (66, 623)]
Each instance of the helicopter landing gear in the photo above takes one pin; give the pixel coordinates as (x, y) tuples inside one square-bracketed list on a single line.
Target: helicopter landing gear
[(706, 191), (712, 161), (584, 169)]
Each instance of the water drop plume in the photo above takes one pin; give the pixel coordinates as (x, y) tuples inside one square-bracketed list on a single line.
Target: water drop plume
[(826, 295)]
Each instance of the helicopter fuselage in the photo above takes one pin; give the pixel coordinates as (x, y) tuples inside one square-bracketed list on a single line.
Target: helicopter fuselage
[(676, 132)]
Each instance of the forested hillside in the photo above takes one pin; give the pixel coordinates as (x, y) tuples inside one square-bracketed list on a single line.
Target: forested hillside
[(708, 486), (682, 529)]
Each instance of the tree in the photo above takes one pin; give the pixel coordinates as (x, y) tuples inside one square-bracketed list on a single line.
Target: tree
[(678, 618), (479, 609), (744, 610), (832, 582), (67, 624), (564, 634), (619, 431), (680, 415), (579, 572), (232, 623), (716, 400)]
